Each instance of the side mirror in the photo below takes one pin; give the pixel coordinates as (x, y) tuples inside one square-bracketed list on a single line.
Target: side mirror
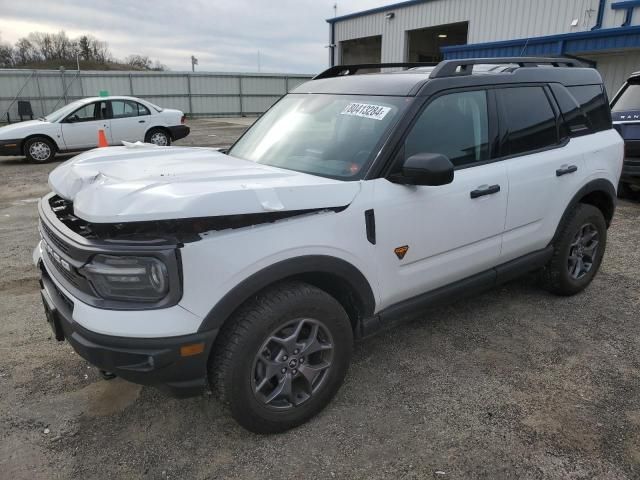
[(430, 169)]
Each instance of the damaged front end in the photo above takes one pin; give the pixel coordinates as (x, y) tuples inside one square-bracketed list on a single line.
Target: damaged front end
[(184, 230)]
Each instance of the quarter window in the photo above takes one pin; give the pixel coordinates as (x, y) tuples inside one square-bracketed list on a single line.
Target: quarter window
[(455, 125), (529, 120), (594, 104)]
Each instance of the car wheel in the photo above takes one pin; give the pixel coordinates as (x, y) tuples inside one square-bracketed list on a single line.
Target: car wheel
[(39, 149), (578, 251), (159, 137), (282, 357)]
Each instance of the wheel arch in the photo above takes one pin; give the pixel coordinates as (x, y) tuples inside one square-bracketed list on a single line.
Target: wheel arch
[(147, 134), (599, 193), (337, 277), (38, 135)]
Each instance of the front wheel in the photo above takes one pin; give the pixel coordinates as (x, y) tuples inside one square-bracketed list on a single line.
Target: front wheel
[(578, 251), (158, 136), (39, 150), (282, 357)]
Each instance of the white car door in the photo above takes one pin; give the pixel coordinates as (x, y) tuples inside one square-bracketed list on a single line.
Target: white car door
[(428, 237), (544, 171), (80, 128), (129, 121)]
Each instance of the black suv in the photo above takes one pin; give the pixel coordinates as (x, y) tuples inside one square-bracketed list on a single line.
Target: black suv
[(625, 110)]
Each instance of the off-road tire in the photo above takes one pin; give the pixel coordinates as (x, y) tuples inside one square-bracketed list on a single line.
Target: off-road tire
[(34, 142), (556, 276), (232, 363)]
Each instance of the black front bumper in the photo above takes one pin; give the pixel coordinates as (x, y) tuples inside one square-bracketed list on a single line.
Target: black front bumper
[(631, 171), (10, 148), (179, 131), (147, 361)]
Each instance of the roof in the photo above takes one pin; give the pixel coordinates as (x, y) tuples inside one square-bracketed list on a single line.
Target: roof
[(447, 75), (385, 8)]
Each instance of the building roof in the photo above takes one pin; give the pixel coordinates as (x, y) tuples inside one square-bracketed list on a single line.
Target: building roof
[(384, 8)]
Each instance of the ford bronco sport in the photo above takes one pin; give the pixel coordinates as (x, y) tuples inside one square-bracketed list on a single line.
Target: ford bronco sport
[(354, 202)]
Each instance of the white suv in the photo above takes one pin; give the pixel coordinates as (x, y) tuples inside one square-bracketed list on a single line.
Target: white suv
[(352, 203), (76, 127)]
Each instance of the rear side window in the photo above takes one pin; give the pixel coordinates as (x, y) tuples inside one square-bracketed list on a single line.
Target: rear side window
[(455, 125), (593, 101), (529, 120), (629, 99)]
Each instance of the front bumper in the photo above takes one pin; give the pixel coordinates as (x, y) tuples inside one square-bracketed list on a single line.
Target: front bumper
[(179, 131), (10, 147), (631, 171), (147, 361)]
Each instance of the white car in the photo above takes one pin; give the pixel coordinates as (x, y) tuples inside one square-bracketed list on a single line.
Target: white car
[(75, 127), (353, 203)]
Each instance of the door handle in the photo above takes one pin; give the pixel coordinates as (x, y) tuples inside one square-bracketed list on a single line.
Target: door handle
[(485, 190), (140, 121), (564, 169)]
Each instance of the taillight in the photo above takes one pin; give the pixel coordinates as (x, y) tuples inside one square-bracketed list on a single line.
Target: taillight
[(183, 120)]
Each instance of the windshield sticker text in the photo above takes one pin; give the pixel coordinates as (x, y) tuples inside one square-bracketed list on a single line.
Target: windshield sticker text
[(366, 110)]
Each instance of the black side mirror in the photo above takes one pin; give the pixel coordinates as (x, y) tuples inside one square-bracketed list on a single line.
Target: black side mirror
[(430, 169)]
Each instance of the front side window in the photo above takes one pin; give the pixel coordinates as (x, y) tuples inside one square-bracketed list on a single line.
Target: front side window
[(529, 120), (88, 113), (335, 136), (455, 125)]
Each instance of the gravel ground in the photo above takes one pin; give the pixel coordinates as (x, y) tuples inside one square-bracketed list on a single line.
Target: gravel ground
[(515, 383)]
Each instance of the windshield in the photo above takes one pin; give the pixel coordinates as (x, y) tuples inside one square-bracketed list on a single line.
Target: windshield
[(64, 111), (629, 100), (334, 136)]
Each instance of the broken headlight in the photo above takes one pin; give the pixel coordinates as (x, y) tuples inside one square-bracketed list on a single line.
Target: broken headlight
[(128, 278)]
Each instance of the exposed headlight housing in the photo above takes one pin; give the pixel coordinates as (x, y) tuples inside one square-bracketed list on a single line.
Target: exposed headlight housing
[(128, 278)]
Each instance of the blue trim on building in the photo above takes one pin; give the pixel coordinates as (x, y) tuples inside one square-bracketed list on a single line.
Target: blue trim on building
[(600, 16), (575, 43), (384, 8), (628, 5)]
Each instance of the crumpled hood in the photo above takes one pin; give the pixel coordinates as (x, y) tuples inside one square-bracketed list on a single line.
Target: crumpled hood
[(142, 183)]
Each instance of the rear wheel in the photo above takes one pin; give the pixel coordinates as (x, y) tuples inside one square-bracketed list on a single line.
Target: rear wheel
[(39, 149), (282, 357), (578, 251), (158, 136)]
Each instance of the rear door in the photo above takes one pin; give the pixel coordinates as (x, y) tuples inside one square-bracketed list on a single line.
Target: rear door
[(129, 121), (430, 236), (80, 128), (544, 167)]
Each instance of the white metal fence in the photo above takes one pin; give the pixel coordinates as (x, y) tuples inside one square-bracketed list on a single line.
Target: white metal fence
[(196, 94)]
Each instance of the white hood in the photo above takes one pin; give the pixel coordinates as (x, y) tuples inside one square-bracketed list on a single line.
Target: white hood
[(16, 130), (140, 183)]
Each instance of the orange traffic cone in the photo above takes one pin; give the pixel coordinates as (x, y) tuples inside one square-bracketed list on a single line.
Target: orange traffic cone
[(102, 139)]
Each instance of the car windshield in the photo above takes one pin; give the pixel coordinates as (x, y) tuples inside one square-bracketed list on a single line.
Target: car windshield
[(64, 111), (629, 100), (334, 136)]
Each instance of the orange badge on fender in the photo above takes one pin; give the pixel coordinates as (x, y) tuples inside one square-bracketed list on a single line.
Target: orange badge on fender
[(401, 251)]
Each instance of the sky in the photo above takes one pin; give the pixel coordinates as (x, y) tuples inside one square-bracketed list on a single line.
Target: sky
[(224, 35)]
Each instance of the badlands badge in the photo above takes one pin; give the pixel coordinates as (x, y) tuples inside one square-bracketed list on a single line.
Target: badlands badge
[(401, 251)]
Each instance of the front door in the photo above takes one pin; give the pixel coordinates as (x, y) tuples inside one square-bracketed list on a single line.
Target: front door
[(80, 129), (428, 237)]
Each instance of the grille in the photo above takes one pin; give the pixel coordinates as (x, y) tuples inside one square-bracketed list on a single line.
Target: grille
[(51, 237)]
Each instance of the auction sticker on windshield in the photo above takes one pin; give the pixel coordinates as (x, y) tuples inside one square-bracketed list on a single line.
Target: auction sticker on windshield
[(376, 112)]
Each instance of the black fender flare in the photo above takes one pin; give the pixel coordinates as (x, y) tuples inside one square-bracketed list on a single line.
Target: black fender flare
[(301, 266), (599, 185)]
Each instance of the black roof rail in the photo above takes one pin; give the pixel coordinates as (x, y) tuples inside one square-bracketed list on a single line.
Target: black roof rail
[(450, 68), (345, 70)]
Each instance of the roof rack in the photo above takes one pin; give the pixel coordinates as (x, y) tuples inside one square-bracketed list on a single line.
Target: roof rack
[(346, 70), (451, 68)]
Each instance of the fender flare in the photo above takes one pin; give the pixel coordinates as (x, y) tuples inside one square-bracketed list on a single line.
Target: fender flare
[(599, 185), (293, 267)]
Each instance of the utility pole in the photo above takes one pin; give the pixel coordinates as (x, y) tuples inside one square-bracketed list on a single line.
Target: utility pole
[(194, 62)]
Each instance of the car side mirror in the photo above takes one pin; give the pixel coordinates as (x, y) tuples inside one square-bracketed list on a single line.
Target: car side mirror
[(430, 169)]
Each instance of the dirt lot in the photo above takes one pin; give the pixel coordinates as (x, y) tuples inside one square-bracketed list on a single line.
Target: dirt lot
[(515, 383)]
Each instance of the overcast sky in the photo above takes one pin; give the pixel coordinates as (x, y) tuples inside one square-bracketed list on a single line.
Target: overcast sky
[(225, 35)]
